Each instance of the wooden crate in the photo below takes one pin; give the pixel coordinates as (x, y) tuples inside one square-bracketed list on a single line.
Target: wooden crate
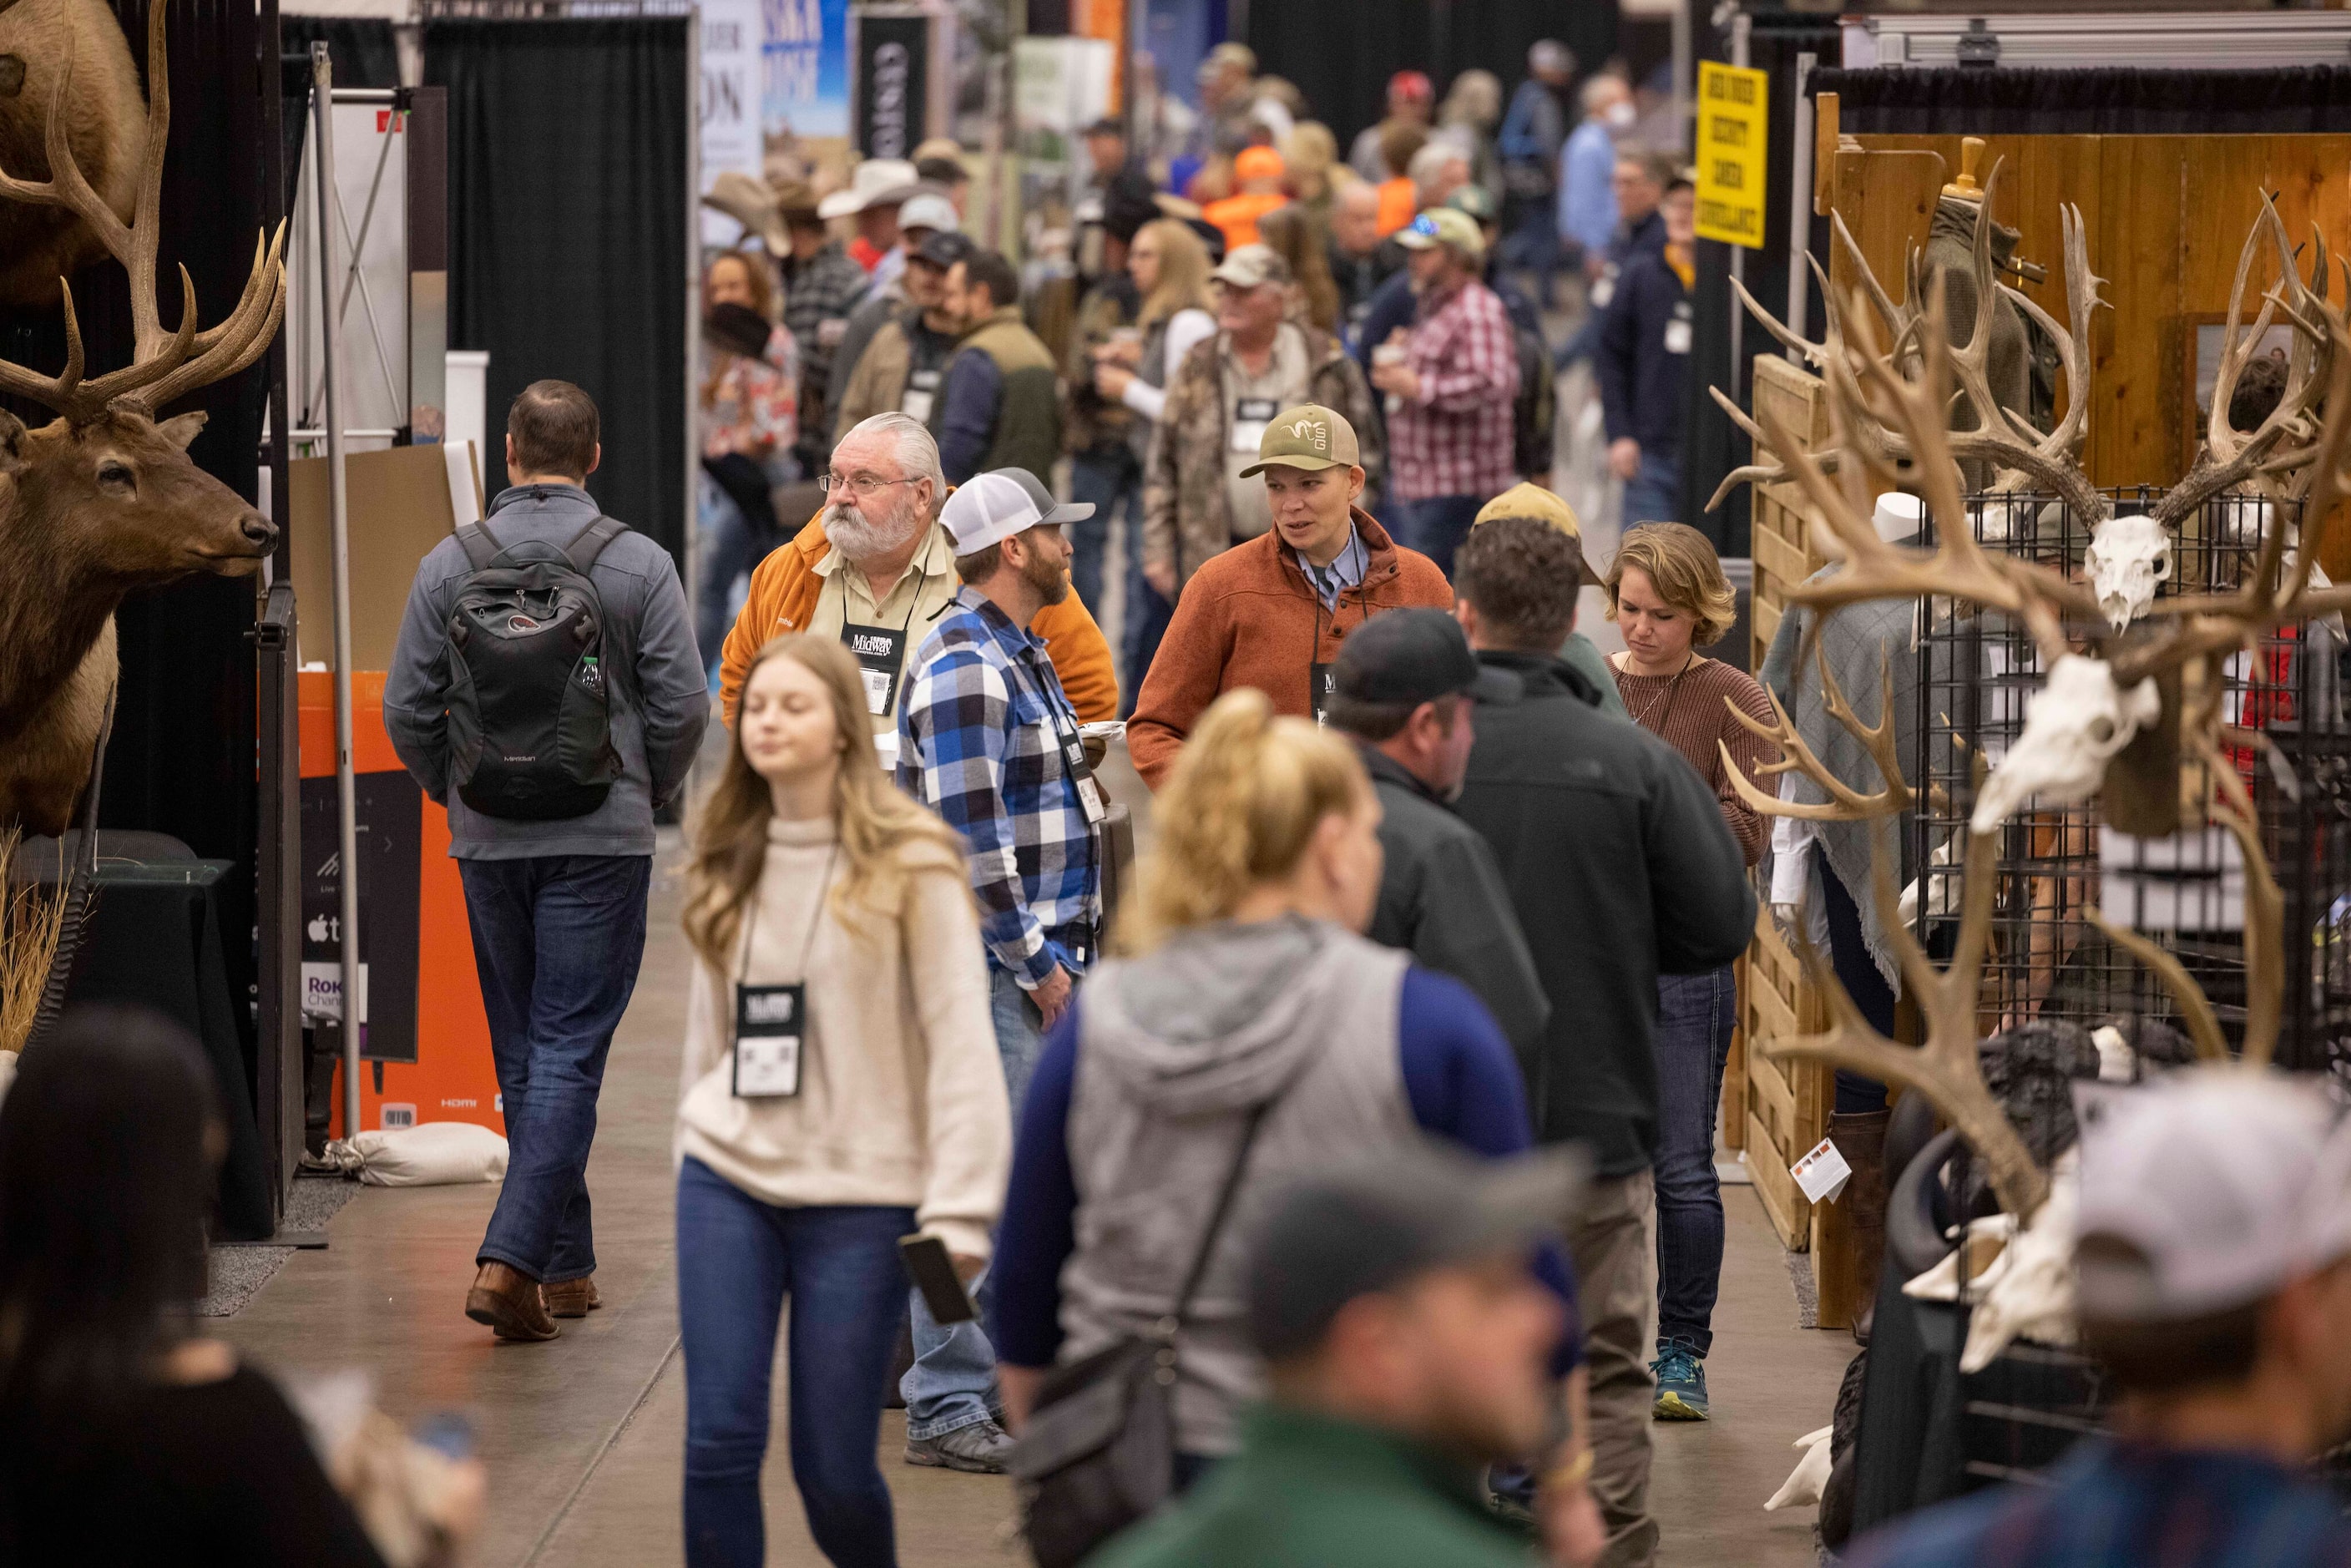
[(1788, 1102), (1783, 528)]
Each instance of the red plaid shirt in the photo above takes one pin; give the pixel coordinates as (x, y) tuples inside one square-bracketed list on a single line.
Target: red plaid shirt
[(1454, 438)]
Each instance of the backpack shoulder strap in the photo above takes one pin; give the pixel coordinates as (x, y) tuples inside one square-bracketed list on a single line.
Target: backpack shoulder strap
[(590, 542), (482, 547)]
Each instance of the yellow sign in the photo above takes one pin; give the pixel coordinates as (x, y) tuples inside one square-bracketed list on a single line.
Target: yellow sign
[(1731, 131)]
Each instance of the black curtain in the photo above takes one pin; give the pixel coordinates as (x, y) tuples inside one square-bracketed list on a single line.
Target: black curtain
[(568, 208), (361, 47), (1341, 57), (2091, 102), (1715, 445), (182, 758)]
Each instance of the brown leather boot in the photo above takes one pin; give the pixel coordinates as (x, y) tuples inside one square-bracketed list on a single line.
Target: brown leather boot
[(1861, 1139), (572, 1297), (508, 1300)]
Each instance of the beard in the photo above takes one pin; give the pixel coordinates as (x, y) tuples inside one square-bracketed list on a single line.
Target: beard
[(1051, 579), (860, 539)]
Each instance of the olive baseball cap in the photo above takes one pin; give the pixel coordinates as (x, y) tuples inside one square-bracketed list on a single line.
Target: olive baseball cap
[(1444, 226), (1307, 436)]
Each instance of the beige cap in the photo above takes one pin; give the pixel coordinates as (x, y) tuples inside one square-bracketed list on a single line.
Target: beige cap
[(1528, 499), (1251, 264), (1444, 226), (1307, 436)]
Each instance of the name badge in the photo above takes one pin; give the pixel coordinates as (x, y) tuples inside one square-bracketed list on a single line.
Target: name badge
[(1081, 774), (1321, 682), (1603, 289), (1677, 331), (771, 1022), (880, 654), (1250, 416), (922, 392)]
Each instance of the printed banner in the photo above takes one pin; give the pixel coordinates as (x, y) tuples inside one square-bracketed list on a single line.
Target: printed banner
[(805, 47)]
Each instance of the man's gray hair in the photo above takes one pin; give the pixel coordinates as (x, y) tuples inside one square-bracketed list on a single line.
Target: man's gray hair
[(917, 454), (1549, 54), (1430, 160), (1603, 88)]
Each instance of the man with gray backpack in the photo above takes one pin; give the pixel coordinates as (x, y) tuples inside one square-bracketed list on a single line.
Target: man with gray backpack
[(547, 690)]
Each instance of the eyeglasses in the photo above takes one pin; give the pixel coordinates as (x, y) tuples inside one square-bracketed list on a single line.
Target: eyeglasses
[(862, 486)]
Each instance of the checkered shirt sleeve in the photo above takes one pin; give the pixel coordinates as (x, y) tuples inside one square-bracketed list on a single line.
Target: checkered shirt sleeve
[(1455, 439), (977, 744)]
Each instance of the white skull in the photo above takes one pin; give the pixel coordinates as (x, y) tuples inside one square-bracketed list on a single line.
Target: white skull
[(2072, 725), (2028, 1289), (2128, 557)]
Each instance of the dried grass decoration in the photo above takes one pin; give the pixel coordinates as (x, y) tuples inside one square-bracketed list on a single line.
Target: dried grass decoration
[(31, 921)]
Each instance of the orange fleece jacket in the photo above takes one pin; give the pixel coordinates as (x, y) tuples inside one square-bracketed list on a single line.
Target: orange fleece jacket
[(783, 599), (1249, 618)]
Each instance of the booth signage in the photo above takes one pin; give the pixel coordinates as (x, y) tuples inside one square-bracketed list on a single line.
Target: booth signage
[(1732, 131), (804, 86), (733, 50), (391, 830), (890, 111)]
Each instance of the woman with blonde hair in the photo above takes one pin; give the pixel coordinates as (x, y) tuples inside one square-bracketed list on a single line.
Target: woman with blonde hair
[(1471, 109), (1310, 168), (840, 1089), (1169, 266), (1248, 1027), (1294, 234), (1668, 597)]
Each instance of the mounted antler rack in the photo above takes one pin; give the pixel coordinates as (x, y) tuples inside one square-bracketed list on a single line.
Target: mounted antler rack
[(1890, 411)]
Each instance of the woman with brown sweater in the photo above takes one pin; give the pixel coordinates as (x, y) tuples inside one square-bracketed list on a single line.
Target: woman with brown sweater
[(1668, 597)]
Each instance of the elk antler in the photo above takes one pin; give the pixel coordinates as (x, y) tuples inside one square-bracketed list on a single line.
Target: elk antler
[(1863, 387), (2231, 458), (1844, 803), (165, 365), (1945, 1068)]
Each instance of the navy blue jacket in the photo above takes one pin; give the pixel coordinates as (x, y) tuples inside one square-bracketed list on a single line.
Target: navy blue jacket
[(1643, 355)]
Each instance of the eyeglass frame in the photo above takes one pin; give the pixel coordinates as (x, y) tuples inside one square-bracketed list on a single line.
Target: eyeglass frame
[(860, 484)]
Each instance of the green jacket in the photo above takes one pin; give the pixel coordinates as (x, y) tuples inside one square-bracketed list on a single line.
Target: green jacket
[(1312, 1491), (1005, 413)]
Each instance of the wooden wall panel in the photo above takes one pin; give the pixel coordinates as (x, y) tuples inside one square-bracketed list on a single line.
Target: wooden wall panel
[(2167, 216)]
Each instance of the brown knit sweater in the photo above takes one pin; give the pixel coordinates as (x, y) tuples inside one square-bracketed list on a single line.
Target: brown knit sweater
[(1687, 712)]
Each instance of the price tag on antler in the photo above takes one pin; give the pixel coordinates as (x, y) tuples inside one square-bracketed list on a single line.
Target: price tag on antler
[(1822, 1172)]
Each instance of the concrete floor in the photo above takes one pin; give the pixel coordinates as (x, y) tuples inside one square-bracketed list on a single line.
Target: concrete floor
[(583, 1437)]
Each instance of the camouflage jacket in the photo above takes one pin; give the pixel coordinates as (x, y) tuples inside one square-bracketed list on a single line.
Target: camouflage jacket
[(1087, 422), (1184, 519)]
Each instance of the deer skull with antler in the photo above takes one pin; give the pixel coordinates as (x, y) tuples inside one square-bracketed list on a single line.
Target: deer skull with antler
[(104, 498)]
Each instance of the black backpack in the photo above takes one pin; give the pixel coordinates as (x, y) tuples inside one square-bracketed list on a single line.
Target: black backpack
[(531, 720), (1535, 409)]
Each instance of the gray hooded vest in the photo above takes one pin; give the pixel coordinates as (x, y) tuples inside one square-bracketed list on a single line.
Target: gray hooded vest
[(1174, 1050)]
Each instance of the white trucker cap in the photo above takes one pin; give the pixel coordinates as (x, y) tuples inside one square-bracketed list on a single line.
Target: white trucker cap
[(2206, 1190), (989, 508)]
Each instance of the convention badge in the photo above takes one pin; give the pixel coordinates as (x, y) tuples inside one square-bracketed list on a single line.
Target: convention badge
[(1250, 416), (1677, 331), (1081, 774), (880, 655), (922, 392), (770, 1023), (1321, 682)]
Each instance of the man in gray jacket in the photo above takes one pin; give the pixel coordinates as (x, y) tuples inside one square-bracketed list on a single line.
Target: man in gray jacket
[(1405, 687), (557, 906)]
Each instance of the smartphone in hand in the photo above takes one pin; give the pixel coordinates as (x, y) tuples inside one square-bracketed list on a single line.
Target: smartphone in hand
[(933, 1272)]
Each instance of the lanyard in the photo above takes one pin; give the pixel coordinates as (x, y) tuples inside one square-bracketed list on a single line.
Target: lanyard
[(807, 944), (1318, 674)]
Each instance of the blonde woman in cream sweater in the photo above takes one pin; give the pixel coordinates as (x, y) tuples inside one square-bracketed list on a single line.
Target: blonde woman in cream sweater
[(841, 1090)]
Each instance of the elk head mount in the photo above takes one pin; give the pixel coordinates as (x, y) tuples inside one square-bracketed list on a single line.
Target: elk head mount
[(105, 123), (103, 498)]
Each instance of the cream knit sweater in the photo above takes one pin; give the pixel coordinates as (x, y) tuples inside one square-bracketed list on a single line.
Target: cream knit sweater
[(902, 1096)]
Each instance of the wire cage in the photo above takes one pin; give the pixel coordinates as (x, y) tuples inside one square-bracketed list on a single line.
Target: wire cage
[(2045, 960)]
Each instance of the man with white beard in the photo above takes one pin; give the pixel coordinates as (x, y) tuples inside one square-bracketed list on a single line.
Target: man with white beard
[(875, 569)]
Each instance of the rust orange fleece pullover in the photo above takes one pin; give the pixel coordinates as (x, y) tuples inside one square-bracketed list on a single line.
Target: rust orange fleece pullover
[(783, 599), (1249, 618)]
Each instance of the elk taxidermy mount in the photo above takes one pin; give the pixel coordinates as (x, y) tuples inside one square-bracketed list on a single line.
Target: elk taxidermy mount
[(67, 58), (103, 498)]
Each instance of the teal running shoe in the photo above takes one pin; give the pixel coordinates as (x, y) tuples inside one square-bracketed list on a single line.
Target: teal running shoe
[(1680, 1372)]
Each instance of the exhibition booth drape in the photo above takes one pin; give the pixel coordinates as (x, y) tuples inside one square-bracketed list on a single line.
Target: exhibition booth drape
[(568, 213)]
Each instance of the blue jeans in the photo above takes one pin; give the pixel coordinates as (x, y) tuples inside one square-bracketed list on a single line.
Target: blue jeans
[(952, 1384), (1655, 494), (1856, 1094), (1531, 245), (557, 940), (1110, 479), (737, 1260), (1696, 1014), (731, 546), (1435, 524)]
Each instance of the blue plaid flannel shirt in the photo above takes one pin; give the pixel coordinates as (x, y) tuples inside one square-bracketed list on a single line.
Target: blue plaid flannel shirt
[(979, 743)]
